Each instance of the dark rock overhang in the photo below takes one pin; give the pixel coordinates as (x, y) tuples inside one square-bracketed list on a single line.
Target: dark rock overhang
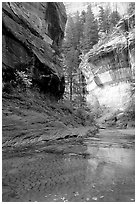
[(31, 35), (17, 22)]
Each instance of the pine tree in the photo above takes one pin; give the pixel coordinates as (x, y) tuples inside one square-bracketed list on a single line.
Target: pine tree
[(107, 19), (78, 29), (131, 8), (90, 30), (114, 18), (101, 19), (83, 17), (70, 34), (71, 52), (82, 20)]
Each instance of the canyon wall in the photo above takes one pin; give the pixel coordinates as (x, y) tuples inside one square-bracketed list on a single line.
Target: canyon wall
[(32, 33), (110, 66)]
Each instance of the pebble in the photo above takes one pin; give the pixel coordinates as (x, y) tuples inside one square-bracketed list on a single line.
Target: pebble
[(76, 194), (94, 198)]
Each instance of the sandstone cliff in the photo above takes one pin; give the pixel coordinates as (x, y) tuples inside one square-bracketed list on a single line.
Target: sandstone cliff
[(110, 69), (114, 54), (32, 33)]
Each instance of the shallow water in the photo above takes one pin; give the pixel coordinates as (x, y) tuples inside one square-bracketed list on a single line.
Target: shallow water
[(93, 169)]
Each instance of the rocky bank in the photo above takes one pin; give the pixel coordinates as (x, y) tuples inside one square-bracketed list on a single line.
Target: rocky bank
[(32, 34)]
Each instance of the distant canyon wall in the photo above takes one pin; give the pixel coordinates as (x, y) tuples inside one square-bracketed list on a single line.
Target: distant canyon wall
[(110, 67), (116, 97)]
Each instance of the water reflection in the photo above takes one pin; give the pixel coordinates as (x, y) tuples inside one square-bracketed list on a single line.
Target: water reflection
[(108, 164), (119, 156), (71, 177)]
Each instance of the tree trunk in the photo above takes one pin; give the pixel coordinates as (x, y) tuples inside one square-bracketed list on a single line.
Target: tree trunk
[(71, 87)]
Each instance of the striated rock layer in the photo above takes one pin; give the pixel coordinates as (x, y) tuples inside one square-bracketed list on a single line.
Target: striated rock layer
[(29, 119), (110, 66), (114, 55), (32, 33)]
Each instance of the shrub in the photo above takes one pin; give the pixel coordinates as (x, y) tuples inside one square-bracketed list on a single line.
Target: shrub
[(7, 88)]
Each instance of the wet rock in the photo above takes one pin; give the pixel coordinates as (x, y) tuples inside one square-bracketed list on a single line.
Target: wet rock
[(94, 198)]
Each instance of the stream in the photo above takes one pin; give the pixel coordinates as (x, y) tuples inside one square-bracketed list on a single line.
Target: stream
[(99, 168)]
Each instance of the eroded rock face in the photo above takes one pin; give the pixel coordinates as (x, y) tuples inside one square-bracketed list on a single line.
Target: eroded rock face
[(32, 34)]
